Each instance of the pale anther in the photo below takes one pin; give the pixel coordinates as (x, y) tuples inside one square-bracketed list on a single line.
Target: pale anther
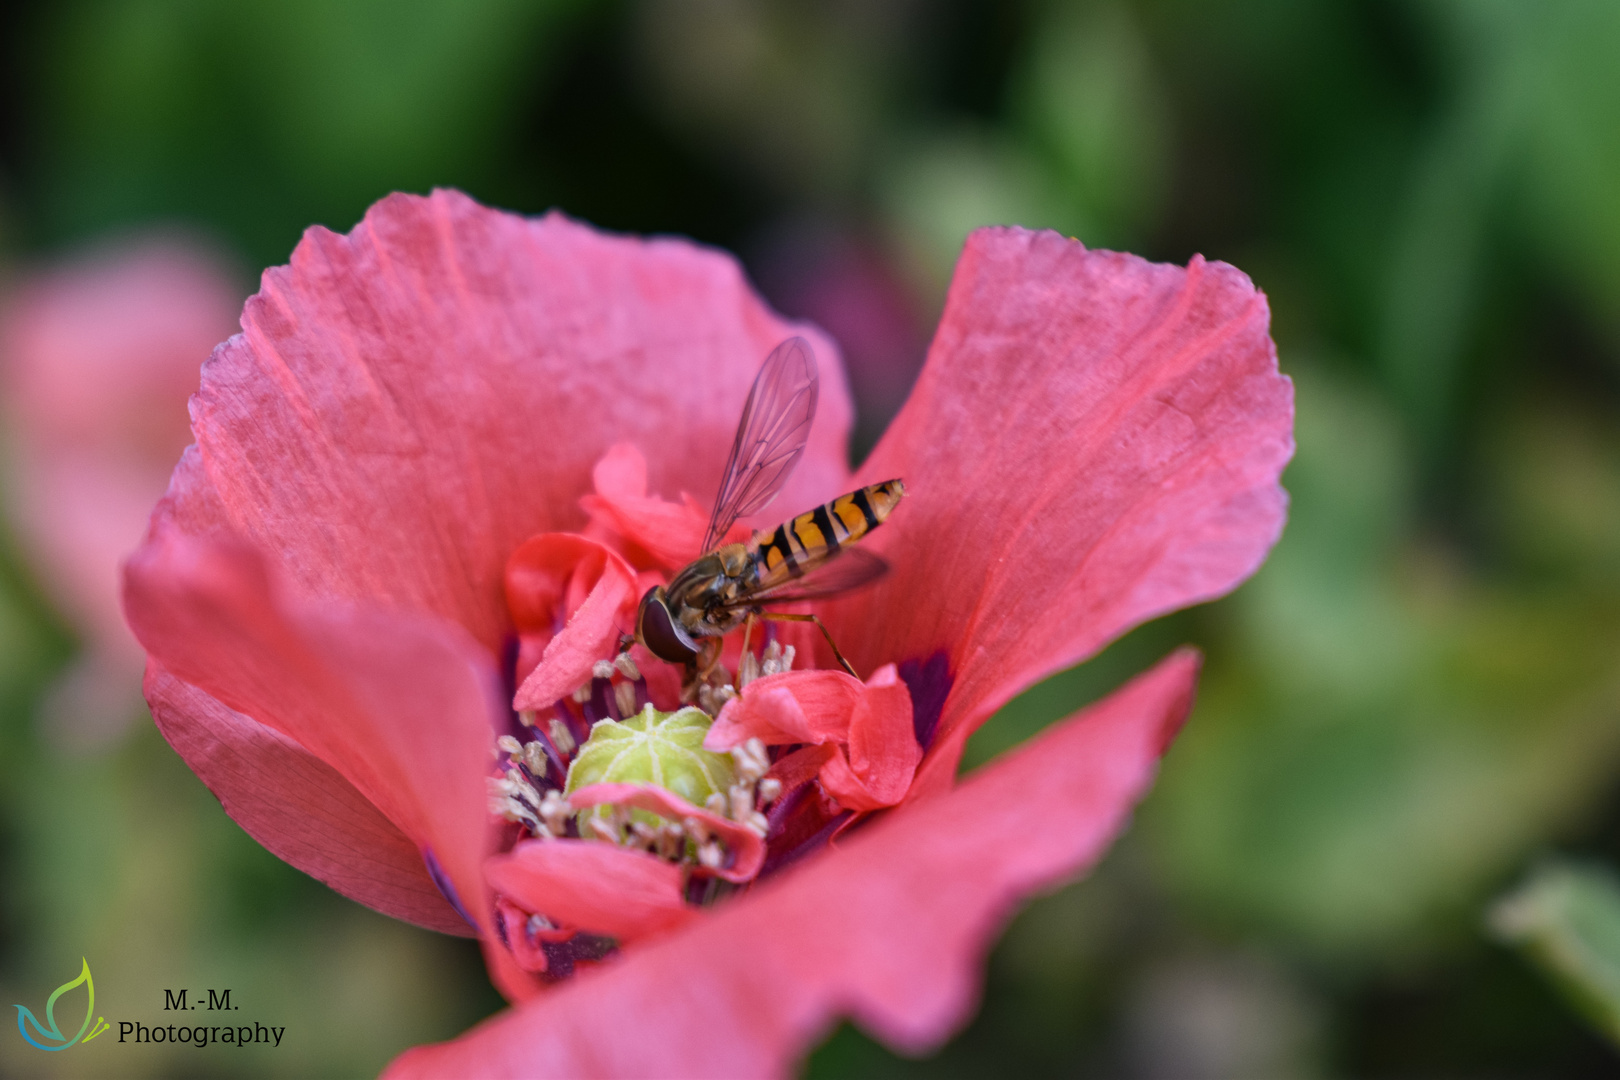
[(526, 717), (561, 737), (747, 670), (769, 789), (624, 695), (742, 801), (509, 745), (602, 669), (627, 667)]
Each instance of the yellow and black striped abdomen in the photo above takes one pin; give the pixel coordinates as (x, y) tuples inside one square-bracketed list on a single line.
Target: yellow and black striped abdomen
[(811, 538)]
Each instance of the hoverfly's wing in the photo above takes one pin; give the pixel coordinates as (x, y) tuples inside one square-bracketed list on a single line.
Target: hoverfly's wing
[(844, 572), (771, 435)]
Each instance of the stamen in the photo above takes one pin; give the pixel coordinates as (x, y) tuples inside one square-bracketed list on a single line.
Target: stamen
[(562, 738), (526, 717), (555, 810), (752, 761), (582, 695), (627, 667), (742, 801), (711, 855), (747, 670), (509, 745), (777, 659), (715, 803), (624, 695), (602, 669), (534, 756), (711, 699), (770, 789)]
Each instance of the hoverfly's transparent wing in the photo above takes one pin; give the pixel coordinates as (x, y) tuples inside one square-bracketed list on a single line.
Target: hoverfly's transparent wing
[(771, 435), (844, 572)]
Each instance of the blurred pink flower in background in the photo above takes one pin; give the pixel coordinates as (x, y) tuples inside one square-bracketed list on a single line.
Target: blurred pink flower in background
[(97, 357)]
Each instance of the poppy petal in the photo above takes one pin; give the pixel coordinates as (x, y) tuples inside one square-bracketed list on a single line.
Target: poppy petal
[(1128, 467), (788, 707), (883, 750), (298, 807), (557, 574), (401, 706), (891, 927), (654, 531), (593, 886), (406, 404)]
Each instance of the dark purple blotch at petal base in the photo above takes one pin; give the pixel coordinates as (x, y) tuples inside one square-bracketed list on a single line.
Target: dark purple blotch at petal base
[(930, 684), (798, 825), (442, 880)]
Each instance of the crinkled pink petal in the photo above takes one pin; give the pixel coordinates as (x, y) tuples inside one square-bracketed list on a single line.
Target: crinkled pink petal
[(1095, 440), (883, 750), (593, 886), (851, 792), (565, 578), (652, 531), (401, 706), (789, 707), (301, 809), (410, 402), (891, 927), (746, 848)]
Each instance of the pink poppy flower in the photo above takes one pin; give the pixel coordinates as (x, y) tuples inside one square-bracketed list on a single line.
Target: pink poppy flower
[(97, 357), (445, 457)]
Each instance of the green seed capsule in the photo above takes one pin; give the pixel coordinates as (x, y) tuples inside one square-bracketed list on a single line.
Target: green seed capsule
[(652, 747)]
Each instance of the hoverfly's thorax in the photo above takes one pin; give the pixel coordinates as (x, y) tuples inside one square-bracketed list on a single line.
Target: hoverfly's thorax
[(698, 584), (734, 559)]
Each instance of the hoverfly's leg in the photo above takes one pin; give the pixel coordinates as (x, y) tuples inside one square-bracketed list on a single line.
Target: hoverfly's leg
[(747, 666), (707, 658), (778, 616)]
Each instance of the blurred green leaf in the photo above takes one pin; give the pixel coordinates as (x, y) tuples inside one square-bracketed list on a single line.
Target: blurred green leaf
[(1566, 916), (1385, 733), (938, 189), (1090, 99), (263, 118)]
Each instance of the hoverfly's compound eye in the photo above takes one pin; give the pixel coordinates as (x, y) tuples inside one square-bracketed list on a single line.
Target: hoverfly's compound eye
[(659, 631)]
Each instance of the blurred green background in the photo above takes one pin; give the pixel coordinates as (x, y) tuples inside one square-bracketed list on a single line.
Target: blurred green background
[(1382, 847)]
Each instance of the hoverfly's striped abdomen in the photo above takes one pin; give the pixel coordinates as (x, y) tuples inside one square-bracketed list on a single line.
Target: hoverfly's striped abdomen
[(811, 538)]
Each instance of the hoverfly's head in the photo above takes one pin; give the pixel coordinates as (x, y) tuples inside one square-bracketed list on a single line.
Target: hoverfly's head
[(657, 629)]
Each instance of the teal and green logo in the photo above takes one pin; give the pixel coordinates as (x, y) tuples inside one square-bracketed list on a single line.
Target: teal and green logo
[(48, 1036)]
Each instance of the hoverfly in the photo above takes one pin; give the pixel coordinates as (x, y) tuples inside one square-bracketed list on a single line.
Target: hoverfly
[(809, 557)]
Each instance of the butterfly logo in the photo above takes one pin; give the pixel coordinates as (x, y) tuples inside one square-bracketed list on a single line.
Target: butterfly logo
[(48, 1036)]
